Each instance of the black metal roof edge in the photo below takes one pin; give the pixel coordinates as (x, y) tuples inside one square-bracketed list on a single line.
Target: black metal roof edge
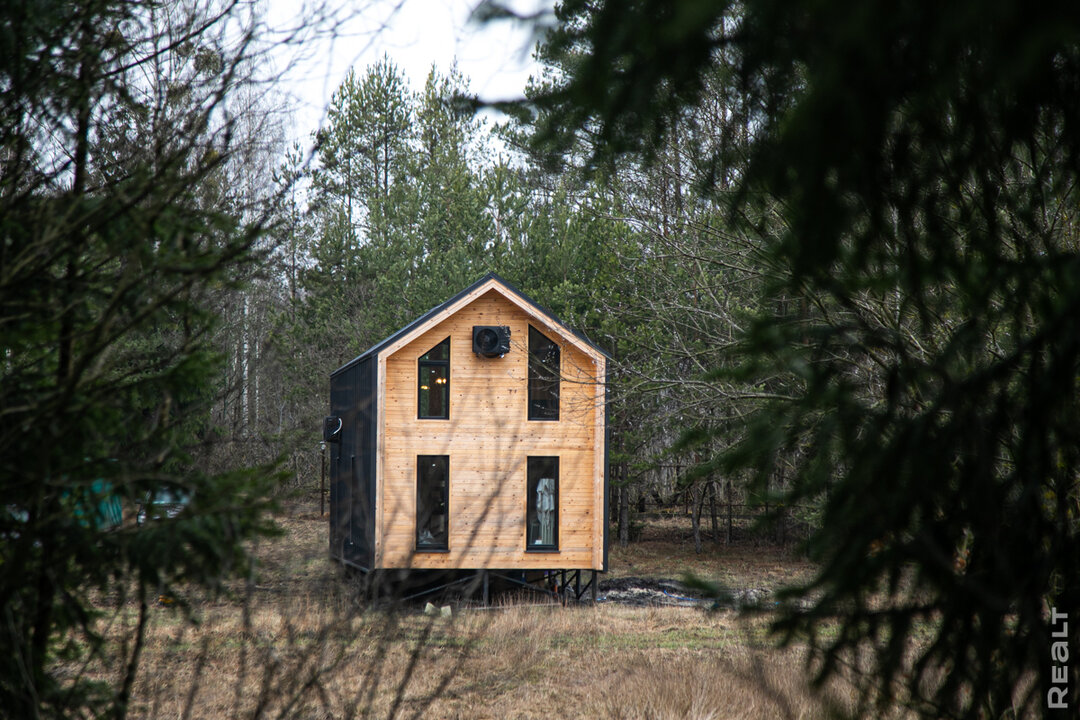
[(544, 311), (374, 349), (377, 347)]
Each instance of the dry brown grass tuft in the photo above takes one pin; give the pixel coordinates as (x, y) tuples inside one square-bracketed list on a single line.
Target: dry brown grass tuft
[(735, 685), (295, 643), (666, 550)]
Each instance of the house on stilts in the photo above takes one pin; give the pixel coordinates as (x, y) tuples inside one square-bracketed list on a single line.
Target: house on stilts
[(473, 441)]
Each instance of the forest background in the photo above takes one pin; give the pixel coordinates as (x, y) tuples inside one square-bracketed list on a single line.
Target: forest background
[(831, 250)]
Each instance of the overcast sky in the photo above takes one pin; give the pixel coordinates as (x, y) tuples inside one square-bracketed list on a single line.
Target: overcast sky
[(414, 33)]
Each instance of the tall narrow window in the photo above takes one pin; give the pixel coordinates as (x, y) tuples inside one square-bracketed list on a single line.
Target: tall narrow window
[(543, 377), (433, 393), (542, 510), (432, 502)]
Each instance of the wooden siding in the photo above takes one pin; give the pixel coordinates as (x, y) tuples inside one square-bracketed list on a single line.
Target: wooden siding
[(488, 438)]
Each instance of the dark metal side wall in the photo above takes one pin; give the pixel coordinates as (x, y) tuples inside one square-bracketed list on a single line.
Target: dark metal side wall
[(352, 465)]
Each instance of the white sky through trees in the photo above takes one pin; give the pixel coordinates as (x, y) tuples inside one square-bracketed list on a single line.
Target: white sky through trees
[(415, 34)]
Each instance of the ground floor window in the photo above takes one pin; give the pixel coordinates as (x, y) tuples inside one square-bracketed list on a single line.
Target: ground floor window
[(542, 510), (432, 502)]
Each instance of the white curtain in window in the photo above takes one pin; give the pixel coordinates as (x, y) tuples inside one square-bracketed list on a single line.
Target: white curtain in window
[(545, 510)]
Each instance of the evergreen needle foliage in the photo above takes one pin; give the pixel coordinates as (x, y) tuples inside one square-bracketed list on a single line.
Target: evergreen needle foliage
[(116, 230), (924, 159)]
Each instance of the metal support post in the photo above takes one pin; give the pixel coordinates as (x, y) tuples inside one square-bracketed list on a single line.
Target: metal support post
[(322, 480)]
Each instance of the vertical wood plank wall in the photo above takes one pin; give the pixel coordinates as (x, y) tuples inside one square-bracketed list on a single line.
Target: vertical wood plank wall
[(488, 438)]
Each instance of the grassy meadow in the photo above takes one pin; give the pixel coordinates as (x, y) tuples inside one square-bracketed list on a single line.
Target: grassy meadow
[(295, 643)]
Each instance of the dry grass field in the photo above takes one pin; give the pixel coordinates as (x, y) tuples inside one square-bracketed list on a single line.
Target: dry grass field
[(665, 549), (295, 643)]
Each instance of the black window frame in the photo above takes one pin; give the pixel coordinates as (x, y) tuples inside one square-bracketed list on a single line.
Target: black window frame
[(421, 366), (549, 382), (433, 545), (536, 467)]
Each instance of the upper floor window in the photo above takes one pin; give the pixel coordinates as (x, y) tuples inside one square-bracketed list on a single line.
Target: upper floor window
[(543, 377), (433, 392)]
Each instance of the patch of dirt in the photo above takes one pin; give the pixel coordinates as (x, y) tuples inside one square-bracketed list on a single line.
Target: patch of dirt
[(652, 591)]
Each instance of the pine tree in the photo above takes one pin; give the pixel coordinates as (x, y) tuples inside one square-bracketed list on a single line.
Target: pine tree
[(923, 161), (116, 231)]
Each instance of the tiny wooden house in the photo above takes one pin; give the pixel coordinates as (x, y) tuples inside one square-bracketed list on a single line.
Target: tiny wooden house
[(473, 438)]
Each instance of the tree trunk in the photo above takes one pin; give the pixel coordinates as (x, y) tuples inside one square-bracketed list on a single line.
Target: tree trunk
[(245, 361), (766, 497), (781, 516), (712, 512), (624, 515), (697, 499), (728, 540)]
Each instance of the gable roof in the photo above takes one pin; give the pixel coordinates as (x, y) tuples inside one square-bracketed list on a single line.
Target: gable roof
[(496, 283)]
